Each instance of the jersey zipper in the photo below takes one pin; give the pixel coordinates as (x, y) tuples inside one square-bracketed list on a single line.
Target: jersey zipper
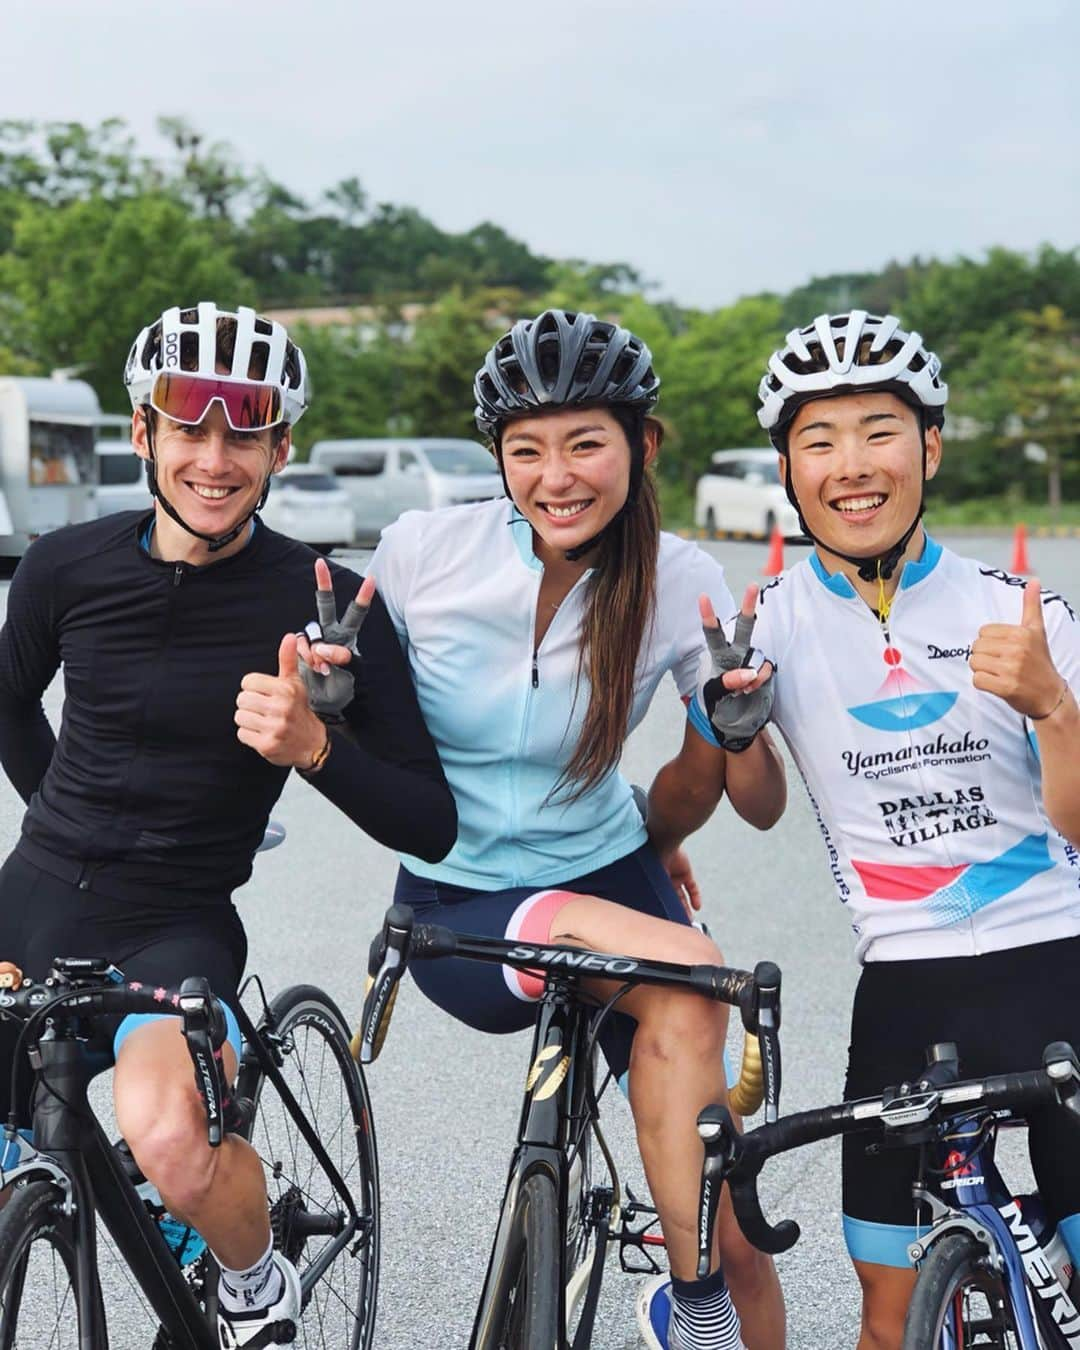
[(551, 625)]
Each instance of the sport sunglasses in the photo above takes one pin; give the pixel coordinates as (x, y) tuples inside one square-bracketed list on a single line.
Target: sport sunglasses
[(187, 399)]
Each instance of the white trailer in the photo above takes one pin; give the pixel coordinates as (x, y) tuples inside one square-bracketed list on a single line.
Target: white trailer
[(47, 464)]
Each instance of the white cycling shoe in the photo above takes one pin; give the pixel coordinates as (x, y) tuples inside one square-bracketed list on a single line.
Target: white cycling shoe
[(276, 1325)]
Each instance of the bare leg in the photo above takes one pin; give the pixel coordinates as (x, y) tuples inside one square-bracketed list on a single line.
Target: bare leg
[(221, 1192), (886, 1295), (676, 1069)]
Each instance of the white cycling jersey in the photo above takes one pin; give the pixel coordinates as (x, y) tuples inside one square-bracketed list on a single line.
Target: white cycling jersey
[(461, 586), (927, 790)]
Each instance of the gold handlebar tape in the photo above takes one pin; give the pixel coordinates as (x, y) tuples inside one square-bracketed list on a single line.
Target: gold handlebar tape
[(384, 1025), (749, 1092)]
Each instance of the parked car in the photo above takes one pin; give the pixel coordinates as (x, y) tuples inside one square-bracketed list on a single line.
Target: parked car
[(385, 477), (741, 493), (309, 504), (120, 482)]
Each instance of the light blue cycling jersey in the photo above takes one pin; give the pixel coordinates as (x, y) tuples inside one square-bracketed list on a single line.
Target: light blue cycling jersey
[(927, 790), (461, 586)]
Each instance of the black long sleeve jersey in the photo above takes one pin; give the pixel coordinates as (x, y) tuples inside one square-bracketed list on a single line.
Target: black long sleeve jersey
[(147, 790)]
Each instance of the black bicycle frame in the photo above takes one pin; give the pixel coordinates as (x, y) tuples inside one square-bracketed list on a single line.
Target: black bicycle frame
[(256, 1051), (66, 1129), (555, 1113)]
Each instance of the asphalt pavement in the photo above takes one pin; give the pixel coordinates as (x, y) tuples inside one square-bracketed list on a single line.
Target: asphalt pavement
[(446, 1099)]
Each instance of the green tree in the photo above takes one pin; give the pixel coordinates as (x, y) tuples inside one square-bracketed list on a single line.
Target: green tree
[(355, 381), (1022, 391), (81, 280), (710, 379), (448, 344)]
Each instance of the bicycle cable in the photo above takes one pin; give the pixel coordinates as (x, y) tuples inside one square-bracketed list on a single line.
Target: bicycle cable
[(30, 1024), (986, 1129)]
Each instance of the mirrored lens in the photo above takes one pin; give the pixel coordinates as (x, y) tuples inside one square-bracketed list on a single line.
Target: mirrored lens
[(187, 398)]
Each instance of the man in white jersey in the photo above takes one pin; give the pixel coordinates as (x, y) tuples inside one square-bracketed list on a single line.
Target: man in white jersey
[(929, 702)]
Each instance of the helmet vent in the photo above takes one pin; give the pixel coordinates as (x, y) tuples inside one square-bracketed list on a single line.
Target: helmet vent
[(263, 326), (258, 360), (189, 350)]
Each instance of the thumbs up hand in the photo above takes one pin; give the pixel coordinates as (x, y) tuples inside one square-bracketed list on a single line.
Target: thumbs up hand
[(272, 713), (1013, 661)]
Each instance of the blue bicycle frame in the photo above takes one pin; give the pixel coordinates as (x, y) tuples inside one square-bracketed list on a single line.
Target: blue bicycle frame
[(972, 1195)]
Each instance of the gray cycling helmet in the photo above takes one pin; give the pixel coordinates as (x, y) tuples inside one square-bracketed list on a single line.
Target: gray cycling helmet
[(560, 359)]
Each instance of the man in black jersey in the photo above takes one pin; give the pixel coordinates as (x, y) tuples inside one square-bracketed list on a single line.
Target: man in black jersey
[(184, 710)]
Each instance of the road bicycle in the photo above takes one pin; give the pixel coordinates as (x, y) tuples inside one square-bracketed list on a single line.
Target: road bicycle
[(988, 1273), (564, 1204), (299, 1098)]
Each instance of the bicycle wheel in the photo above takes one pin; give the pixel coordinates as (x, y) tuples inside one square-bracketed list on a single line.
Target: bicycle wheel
[(340, 1275), (527, 1298), (959, 1301), (38, 1305)]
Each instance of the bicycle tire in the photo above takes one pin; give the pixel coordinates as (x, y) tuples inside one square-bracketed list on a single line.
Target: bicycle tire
[(312, 1037), (951, 1278), (33, 1218), (527, 1303)]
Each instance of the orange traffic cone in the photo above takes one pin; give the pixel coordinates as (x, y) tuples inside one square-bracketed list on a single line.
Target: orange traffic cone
[(774, 564), (1020, 566)]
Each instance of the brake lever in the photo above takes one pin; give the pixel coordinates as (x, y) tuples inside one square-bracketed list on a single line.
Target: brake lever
[(767, 1017), (205, 1032), (1063, 1070), (721, 1141), (387, 959), (741, 1159)]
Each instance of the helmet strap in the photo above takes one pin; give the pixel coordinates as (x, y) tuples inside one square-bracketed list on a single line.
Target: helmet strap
[(213, 542)]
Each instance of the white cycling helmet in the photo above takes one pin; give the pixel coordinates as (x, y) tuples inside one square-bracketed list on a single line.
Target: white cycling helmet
[(186, 341), (849, 354)]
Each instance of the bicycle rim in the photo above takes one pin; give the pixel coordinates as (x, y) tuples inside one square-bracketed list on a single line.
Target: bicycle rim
[(528, 1318), (38, 1308), (959, 1302), (307, 1213)]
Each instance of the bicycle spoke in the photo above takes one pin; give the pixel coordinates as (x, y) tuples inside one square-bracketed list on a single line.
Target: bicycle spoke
[(319, 1071)]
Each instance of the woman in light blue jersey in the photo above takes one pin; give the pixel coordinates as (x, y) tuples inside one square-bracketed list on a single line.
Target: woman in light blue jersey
[(537, 630)]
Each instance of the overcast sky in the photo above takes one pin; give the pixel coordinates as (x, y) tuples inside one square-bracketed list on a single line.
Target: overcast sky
[(720, 148)]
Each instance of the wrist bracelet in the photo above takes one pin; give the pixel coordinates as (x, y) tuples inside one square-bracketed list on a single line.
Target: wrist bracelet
[(318, 759), (1061, 699)]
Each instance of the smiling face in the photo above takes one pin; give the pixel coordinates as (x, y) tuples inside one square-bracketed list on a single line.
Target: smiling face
[(856, 466), (211, 474), (568, 473)]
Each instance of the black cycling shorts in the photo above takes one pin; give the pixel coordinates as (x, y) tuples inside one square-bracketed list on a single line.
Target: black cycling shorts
[(499, 999), (42, 917), (1001, 1010)]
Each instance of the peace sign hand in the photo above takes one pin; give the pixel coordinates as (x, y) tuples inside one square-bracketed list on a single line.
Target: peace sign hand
[(326, 648), (1013, 661), (737, 699)]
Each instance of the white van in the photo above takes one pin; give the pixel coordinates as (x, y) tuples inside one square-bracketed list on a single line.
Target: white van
[(121, 477), (47, 468), (385, 477), (741, 493)]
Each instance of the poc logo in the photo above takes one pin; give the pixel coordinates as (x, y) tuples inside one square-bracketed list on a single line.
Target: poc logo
[(172, 349)]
